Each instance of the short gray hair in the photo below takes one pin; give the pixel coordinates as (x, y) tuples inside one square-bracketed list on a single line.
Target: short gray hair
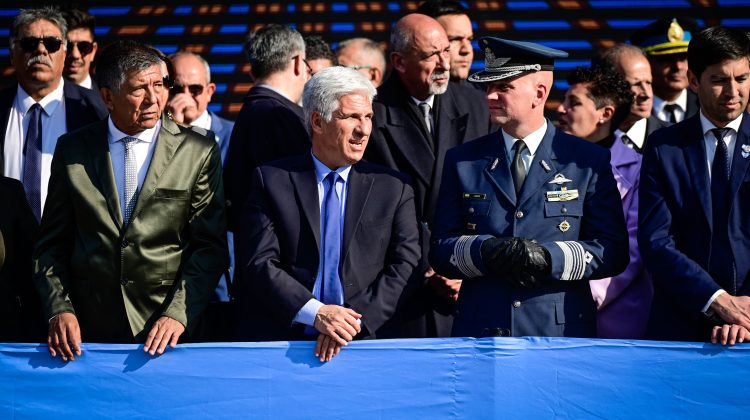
[(402, 38), (29, 16), (201, 59), (368, 47), (323, 91), (611, 57), (121, 58), (271, 48)]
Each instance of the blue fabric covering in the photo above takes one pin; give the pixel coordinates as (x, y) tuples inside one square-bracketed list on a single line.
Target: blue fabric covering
[(439, 378)]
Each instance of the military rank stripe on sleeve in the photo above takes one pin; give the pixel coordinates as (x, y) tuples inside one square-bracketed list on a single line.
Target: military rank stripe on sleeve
[(575, 261), (461, 257)]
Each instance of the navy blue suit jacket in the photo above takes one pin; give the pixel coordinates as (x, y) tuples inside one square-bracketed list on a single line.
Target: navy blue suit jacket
[(675, 225), (82, 106), (278, 247), (268, 127), (586, 236)]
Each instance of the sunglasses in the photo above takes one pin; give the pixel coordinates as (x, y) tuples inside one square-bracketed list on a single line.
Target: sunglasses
[(194, 90), (29, 44), (84, 47)]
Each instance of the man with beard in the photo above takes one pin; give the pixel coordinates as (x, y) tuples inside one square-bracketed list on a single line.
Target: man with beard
[(419, 115), (665, 43), (694, 214), (42, 107)]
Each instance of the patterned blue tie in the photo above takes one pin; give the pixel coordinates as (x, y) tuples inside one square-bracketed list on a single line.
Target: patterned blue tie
[(32, 161), (131, 178), (721, 262), (331, 290)]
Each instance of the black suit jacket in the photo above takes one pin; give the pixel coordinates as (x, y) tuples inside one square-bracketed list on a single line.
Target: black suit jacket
[(82, 107), (278, 247), (21, 316), (268, 127), (399, 140)]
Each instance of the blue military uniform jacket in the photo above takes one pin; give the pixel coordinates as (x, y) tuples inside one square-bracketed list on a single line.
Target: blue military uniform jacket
[(569, 203)]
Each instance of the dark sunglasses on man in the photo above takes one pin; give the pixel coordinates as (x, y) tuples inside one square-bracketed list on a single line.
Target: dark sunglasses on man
[(29, 44), (194, 90), (84, 47)]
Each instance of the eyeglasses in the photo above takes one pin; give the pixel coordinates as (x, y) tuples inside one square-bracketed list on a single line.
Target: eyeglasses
[(84, 47), (51, 43), (194, 90), (309, 69)]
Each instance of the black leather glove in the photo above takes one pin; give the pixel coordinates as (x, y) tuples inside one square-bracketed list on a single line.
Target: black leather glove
[(538, 258), (499, 255)]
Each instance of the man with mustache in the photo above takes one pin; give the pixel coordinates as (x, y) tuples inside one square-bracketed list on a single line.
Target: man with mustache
[(81, 48), (665, 43), (42, 107), (455, 19), (694, 213), (419, 115)]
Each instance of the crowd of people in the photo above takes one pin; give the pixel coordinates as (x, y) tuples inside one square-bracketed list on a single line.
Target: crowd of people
[(361, 195)]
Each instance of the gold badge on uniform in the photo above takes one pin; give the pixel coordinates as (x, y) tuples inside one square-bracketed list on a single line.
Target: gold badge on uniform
[(564, 226)]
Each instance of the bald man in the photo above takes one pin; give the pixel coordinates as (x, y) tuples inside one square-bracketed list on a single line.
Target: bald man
[(365, 56), (419, 115)]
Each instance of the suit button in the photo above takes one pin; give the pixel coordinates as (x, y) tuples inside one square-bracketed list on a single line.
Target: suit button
[(564, 210), (471, 210), (519, 214), (516, 303)]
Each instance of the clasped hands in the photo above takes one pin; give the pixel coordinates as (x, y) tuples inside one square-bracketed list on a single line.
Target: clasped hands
[(337, 326), (522, 262)]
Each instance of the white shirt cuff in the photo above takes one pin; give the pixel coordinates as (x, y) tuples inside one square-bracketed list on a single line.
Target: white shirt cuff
[(306, 315), (711, 300)]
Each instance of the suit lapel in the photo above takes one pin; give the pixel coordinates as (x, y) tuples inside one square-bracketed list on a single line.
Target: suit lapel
[(101, 160), (304, 180), (739, 161), (538, 173), (497, 169), (167, 142), (358, 191), (695, 156)]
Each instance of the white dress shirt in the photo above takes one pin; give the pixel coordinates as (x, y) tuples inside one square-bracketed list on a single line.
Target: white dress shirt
[(53, 126), (204, 121), (144, 150), (533, 140), (636, 133), (679, 112), (87, 82)]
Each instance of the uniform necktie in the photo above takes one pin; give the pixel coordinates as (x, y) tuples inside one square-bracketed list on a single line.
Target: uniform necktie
[(425, 108), (32, 161), (331, 290), (517, 170), (669, 109), (629, 142), (721, 263), (131, 178)]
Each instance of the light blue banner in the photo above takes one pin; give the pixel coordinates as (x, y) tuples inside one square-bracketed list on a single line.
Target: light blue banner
[(440, 378)]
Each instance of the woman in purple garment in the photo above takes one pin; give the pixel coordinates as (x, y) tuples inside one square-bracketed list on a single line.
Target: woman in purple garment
[(597, 101)]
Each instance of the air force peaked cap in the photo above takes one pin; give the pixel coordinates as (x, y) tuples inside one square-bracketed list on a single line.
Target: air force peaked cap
[(504, 58)]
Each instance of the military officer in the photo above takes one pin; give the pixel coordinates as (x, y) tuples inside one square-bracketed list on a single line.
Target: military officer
[(527, 214)]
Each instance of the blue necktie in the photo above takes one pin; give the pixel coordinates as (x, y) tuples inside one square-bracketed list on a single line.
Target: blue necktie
[(331, 290), (721, 262), (32, 161)]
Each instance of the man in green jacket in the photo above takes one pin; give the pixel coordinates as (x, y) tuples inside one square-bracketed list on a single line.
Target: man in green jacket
[(132, 241)]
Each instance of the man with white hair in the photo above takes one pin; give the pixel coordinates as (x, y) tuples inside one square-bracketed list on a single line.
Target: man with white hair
[(42, 107), (326, 242), (419, 115)]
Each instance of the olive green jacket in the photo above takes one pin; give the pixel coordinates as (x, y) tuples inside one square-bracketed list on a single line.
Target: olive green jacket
[(166, 261)]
